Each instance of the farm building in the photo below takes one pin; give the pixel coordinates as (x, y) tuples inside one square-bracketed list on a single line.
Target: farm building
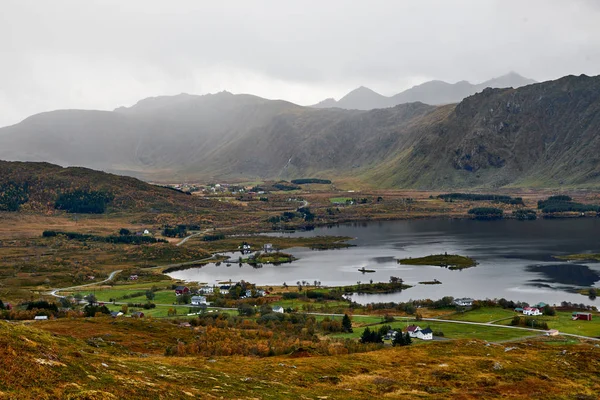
[(583, 316), (466, 302), (425, 334), (531, 311), (198, 300), (179, 290), (412, 330)]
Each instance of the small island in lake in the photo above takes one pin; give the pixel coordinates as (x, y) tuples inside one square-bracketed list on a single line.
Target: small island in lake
[(579, 257), (433, 282), (363, 270), (450, 261), (269, 258)]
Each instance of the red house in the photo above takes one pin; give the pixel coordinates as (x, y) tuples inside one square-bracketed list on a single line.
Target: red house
[(179, 290), (584, 316)]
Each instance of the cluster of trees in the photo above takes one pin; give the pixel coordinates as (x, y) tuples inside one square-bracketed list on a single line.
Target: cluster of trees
[(449, 197), (213, 237), (563, 203), (402, 339), (371, 336), (116, 239), (283, 185), (525, 215), (287, 216), (311, 180), (178, 231), (84, 201), (486, 213), (12, 195), (528, 322)]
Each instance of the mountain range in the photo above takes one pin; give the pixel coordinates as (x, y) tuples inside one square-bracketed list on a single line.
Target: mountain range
[(540, 135), (431, 92)]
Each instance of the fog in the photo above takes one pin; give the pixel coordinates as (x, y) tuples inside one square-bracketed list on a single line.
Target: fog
[(104, 54)]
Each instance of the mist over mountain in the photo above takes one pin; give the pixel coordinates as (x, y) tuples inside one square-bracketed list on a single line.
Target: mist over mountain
[(432, 92), (540, 135)]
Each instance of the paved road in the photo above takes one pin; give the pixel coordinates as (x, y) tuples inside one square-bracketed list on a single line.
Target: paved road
[(54, 292)]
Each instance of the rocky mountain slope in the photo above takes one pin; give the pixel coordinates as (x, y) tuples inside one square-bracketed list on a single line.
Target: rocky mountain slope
[(432, 92), (543, 135)]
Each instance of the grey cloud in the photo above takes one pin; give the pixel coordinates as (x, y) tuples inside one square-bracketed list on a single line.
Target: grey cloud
[(102, 54)]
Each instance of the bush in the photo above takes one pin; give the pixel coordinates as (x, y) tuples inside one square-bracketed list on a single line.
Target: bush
[(12, 195), (84, 202), (310, 180), (486, 213)]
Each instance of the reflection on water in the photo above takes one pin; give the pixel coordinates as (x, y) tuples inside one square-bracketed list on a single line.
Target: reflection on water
[(512, 256), (569, 274)]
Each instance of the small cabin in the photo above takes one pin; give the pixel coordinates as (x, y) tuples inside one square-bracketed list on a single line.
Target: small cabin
[(41, 318), (268, 247), (278, 309)]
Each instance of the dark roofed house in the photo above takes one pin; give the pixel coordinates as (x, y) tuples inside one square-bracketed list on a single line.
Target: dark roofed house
[(179, 290), (425, 334), (137, 314)]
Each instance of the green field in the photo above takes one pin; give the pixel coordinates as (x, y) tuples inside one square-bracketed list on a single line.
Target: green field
[(563, 323), (450, 330), (340, 199), (484, 314)]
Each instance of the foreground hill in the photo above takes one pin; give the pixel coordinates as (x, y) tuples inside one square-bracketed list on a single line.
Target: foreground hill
[(432, 92), (103, 358), (41, 186), (540, 135)]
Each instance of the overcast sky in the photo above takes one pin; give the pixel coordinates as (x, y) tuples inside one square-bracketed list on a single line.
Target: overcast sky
[(102, 54)]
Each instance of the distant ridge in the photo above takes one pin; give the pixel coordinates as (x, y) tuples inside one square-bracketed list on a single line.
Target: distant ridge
[(540, 135), (432, 92)]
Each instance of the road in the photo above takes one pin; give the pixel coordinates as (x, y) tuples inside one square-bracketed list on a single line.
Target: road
[(54, 292), (185, 239)]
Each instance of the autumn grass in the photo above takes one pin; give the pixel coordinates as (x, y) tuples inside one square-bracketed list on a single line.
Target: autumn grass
[(65, 359)]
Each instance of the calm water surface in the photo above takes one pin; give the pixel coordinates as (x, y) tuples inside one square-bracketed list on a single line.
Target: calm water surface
[(515, 259)]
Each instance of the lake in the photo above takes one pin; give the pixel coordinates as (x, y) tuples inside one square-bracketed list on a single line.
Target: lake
[(515, 259)]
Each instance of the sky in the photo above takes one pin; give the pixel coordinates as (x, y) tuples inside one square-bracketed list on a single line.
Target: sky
[(102, 54)]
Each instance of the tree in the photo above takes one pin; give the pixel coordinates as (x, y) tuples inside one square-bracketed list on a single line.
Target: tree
[(124, 308), (150, 294), (91, 298), (184, 299), (369, 336), (124, 232), (407, 338), (399, 339), (592, 294), (347, 323), (246, 310)]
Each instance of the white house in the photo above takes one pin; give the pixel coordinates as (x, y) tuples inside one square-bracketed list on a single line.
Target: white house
[(531, 311), (465, 302), (40, 317), (198, 300), (206, 290), (425, 334), (224, 289), (412, 331), (278, 309)]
